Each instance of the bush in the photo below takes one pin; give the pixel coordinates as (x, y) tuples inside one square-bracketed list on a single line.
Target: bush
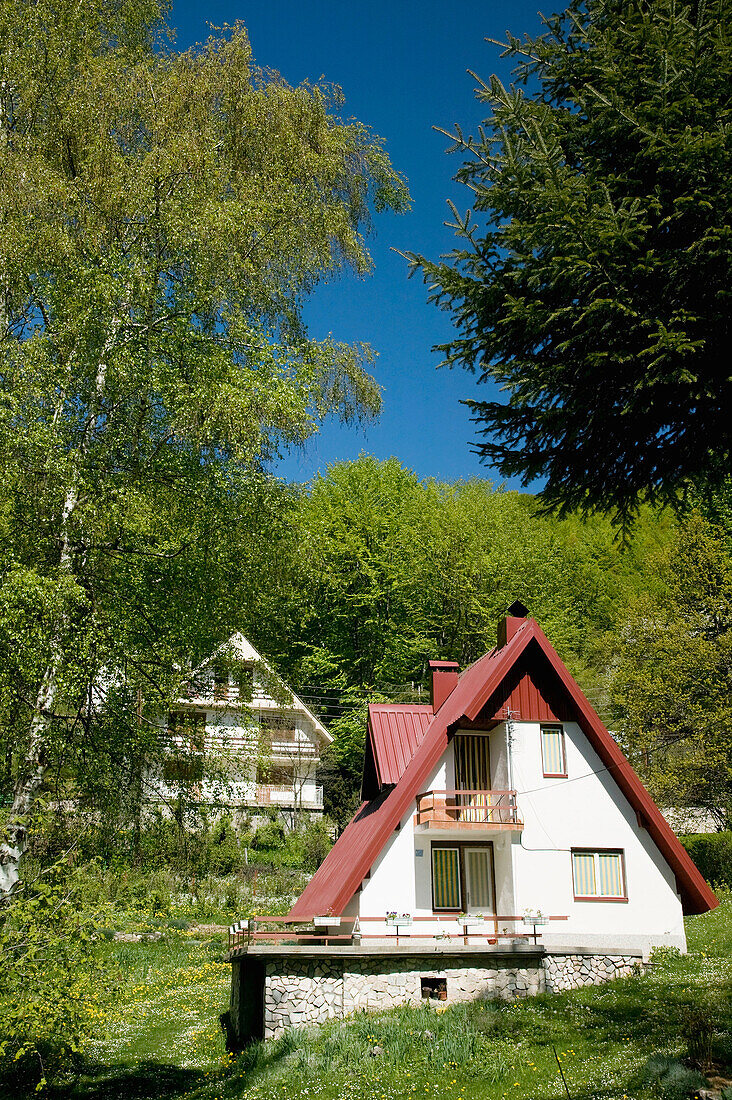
[(316, 843), (671, 1079), (269, 835), (712, 853), (225, 855), (51, 979)]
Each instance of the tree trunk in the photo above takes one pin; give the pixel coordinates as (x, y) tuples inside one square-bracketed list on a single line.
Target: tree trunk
[(30, 779), (32, 771)]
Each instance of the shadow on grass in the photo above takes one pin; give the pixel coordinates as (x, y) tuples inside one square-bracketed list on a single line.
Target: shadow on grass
[(151, 1080), (142, 1081)]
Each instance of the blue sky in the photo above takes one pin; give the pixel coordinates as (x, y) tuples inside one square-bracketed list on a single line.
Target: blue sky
[(403, 69)]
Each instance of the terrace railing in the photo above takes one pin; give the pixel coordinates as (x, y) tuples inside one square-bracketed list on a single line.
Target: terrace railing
[(323, 931), (268, 794), (468, 809)]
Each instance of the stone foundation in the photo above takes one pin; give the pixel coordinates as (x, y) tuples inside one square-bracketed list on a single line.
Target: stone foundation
[(570, 971), (274, 990), (310, 992)]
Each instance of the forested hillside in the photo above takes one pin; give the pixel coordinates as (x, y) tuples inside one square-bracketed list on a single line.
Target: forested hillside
[(364, 575), (383, 571), (369, 572)]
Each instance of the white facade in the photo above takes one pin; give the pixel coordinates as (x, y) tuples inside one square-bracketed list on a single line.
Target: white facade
[(261, 743), (533, 865)]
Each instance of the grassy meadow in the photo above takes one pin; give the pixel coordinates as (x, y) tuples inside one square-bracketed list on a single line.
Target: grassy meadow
[(642, 1037)]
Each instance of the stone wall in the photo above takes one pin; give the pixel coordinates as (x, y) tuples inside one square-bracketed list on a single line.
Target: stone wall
[(270, 995), (298, 992), (310, 991), (571, 971), (385, 983)]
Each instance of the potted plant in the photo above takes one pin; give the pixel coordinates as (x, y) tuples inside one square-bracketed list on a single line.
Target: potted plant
[(534, 918), (469, 920), (398, 919)]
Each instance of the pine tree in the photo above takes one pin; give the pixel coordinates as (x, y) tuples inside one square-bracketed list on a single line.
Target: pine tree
[(592, 278)]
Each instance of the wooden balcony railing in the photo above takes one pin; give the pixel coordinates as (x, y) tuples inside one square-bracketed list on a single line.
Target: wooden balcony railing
[(443, 933), (286, 795), (468, 810)]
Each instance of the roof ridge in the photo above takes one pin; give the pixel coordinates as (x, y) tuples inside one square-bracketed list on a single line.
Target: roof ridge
[(406, 705)]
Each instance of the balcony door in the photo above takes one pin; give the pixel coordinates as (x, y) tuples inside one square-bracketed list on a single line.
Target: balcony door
[(479, 880), (473, 776), (462, 878)]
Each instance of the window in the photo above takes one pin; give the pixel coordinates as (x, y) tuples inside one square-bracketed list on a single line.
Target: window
[(275, 775), (462, 877), (553, 756), (446, 892), (190, 725), (181, 769), (276, 729), (244, 678), (220, 680), (598, 875)]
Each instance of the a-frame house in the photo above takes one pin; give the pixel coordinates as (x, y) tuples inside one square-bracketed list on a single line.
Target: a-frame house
[(506, 796)]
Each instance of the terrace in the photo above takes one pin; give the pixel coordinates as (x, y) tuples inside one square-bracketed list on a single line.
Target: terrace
[(433, 933), (467, 809)]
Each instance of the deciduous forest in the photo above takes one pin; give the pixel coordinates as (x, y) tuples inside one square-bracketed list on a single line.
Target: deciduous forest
[(165, 215)]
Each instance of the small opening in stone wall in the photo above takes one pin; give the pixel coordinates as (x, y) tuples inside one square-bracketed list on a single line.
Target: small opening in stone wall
[(434, 989)]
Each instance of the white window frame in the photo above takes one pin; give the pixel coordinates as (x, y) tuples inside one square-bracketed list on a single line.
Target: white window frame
[(596, 853), (550, 728)]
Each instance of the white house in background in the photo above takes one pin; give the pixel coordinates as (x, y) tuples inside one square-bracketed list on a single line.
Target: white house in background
[(506, 796), (264, 742)]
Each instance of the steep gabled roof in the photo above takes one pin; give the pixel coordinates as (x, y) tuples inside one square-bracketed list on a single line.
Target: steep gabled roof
[(240, 648), (348, 863)]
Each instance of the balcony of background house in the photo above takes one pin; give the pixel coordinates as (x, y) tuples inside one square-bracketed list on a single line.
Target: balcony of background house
[(289, 795), (468, 810), (279, 736), (222, 685)]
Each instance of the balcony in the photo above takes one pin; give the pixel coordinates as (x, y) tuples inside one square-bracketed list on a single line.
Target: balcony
[(310, 798), (287, 743), (468, 810)]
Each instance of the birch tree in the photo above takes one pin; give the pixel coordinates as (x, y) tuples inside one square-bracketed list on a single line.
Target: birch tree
[(163, 216)]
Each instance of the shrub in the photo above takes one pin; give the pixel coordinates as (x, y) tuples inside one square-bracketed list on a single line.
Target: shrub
[(670, 1078), (48, 996), (712, 853), (269, 835), (316, 843), (225, 855)]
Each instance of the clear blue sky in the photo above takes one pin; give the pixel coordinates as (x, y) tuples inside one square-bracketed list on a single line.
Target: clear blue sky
[(403, 69)]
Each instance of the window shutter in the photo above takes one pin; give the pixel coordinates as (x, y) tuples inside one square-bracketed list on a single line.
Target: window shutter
[(552, 751), (611, 874), (446, 878), (584, 874)]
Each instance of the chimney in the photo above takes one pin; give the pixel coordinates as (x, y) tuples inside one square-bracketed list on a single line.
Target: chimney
[(515, 618), (444, 681)]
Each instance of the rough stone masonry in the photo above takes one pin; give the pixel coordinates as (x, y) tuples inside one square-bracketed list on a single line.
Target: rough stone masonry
[(299, 990)]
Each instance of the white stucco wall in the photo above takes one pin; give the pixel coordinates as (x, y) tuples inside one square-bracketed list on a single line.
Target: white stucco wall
[(586, 810), (533, 867)]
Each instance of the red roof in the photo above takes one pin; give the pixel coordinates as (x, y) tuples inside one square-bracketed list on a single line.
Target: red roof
[(349, 861), (396, 730)]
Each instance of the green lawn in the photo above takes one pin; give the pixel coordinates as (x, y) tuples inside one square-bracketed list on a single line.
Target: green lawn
[(641, 1037)]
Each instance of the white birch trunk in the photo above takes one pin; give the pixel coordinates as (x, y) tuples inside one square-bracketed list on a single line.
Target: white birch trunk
[(32, 770)]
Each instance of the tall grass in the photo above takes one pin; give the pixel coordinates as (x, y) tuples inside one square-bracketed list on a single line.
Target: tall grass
[(647, 1037)]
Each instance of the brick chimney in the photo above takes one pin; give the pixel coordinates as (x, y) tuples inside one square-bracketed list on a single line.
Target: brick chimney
[(444, 681), (515, 618)]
